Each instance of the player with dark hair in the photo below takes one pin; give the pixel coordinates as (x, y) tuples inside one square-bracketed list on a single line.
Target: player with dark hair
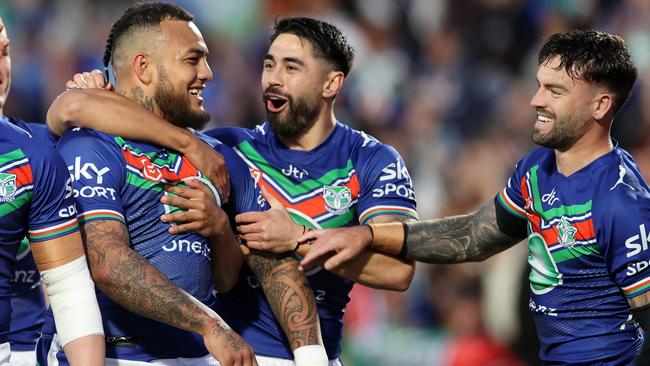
[(167, 79), (35, 201), (325, 173), (580, 199)]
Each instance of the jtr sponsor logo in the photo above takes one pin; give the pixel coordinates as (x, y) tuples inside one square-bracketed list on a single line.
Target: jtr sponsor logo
[(294, 172), (637, 267), (90, 174), (550, 198), (638, 243), (187, 246)]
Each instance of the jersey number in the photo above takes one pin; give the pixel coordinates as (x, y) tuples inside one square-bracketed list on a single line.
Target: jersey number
[(544, 275)]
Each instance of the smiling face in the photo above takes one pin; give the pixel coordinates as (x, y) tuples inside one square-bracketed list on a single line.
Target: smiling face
[(292, 82), (564, 107), (5, 67), (182, 73)]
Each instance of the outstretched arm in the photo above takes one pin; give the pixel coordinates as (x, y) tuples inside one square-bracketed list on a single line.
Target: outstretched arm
[(465, 238), (273, 230), (113, 113)]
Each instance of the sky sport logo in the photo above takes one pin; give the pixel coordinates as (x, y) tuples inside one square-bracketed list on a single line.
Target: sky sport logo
[(7, 187)]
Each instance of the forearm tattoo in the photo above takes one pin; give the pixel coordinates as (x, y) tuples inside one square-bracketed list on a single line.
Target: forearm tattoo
[(465, 238), (135, 284), (289, 295)]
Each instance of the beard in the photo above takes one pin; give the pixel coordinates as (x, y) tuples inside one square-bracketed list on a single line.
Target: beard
[(299, 114), (176, 107), (566, 131)]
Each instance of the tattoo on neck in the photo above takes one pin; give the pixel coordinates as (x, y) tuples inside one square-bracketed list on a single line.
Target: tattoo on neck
[(139, 97)]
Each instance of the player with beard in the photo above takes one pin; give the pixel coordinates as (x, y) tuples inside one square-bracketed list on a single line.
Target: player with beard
[(159, 62), (324, 172), (579, 198)]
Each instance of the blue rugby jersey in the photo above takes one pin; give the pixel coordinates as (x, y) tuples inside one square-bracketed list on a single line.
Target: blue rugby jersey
[(35, 200), (28, 302), (348, 179), (588, 253), (117, 179)]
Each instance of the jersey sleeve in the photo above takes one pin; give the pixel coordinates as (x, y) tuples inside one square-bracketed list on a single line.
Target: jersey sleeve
[(53, 212), (245, 195), (624, 226), (386, 187), (511, 198), (97, 170)]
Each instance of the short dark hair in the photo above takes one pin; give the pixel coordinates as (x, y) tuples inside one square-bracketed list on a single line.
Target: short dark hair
[(141, 16), (595, 57), (327, 40)]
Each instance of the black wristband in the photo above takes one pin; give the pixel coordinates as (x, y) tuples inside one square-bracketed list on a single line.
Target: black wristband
[(404, 251)]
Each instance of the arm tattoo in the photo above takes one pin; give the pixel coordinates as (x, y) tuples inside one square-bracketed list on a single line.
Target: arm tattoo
[(465, 238), (134, 283), (289, 295), (140, 98)]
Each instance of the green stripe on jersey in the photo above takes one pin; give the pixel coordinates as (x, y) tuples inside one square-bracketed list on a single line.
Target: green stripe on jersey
[(291, 188), (19, 201), (11, 156), (572, 210), (575, 252)]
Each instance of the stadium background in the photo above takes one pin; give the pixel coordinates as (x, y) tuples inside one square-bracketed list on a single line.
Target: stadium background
[(446, 82)]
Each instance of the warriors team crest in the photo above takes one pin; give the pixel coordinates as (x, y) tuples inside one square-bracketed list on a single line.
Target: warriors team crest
[(337, 199), (7, 187)]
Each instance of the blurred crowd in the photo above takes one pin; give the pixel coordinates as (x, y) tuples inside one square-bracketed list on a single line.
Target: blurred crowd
[(447, 82)]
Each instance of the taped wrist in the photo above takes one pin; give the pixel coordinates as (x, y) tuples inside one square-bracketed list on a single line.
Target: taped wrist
[(389, 237), (71, 292), (311, 355)]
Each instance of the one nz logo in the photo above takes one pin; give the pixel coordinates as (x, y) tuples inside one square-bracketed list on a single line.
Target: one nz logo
[(337, 199), (7, 187)]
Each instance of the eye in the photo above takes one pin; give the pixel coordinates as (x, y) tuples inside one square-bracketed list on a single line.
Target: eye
[(555, 93), (193, 60), (268, 65)]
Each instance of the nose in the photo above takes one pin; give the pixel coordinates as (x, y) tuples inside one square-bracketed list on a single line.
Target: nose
[(537, 100), (272, 77), (205, 73)]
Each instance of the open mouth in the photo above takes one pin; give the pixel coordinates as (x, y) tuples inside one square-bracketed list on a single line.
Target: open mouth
[(195, 92), (275, 103)]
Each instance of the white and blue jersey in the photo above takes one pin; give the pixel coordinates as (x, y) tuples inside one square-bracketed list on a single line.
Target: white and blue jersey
[(349, 179), (588, 244)]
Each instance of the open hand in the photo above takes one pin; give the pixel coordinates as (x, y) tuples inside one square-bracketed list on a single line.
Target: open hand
[(271, 230)]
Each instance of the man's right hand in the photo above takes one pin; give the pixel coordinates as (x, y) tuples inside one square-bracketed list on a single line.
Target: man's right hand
[(228, 347)]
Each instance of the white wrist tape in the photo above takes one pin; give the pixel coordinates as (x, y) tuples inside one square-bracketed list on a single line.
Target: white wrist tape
[(72, 296), (312, 355)]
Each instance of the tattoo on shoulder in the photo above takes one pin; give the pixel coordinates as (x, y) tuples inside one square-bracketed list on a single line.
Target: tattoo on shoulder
[(144, 100), (465, 238)]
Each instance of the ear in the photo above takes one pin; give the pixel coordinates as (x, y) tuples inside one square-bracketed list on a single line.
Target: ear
[(143, 68), (604, 104), (333, 84)]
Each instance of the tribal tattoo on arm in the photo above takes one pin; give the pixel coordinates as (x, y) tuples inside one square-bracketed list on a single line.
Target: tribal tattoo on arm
[(289, 295), (134, 283), (466, 238)]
